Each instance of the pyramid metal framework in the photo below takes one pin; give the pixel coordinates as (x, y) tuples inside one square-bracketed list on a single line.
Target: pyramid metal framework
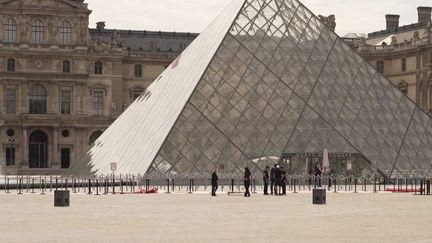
[(266, 78)]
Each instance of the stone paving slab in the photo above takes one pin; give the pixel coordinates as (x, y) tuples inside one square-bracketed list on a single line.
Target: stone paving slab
[(347, 217)]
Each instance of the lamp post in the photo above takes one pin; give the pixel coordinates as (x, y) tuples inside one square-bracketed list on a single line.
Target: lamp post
[(11, 158)]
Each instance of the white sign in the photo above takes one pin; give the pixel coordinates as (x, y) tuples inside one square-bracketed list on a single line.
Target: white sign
[(349, 165), (113, 166)]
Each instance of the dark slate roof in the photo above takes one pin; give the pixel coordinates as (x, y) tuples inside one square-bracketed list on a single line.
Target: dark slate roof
[(147, 40), (409, 27)]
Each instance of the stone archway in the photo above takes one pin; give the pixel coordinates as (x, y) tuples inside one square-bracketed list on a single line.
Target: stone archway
[(38, 149), (94, 136)]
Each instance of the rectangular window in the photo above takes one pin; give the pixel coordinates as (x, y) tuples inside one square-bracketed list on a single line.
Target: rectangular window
[(10, 156), (66, 100), (11, 97), (98, 103), (65, 158)]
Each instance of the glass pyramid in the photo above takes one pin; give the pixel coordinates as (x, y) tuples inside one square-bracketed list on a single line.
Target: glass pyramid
[(266, 78)]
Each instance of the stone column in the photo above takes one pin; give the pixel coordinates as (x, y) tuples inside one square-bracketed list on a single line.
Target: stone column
[(55, 163), (24, 148)]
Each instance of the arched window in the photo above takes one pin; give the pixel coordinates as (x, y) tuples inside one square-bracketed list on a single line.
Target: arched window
[(380, 66), (66, 66), (403, 87), (38, 150), (37, 100), (94, 136), (98, 68), (403, 65), (10, 30), (138, 71), (11, 65), (37, 31), (65, 33)]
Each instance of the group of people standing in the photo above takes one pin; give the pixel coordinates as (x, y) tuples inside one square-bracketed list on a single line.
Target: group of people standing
[(246, 182), (277, 178)]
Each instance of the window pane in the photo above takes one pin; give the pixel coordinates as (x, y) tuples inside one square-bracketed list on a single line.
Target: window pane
[(66, 66), (10, 28), (65, 106), (38, 100), (98, 102), (11, 65), (98, 68), (65, 33), (37, 32), (11, 97), (10, 156), (138, 71)]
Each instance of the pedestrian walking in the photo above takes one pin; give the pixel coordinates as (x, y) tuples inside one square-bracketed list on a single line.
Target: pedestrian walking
[(214, 182), (272, 179), (246, 180), (266, 180)]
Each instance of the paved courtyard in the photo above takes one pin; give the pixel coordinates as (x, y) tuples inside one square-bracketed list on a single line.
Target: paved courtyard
[(347, 217)]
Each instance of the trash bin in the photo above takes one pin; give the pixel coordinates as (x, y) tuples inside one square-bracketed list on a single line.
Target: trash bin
[(319, 196), (61, 198)]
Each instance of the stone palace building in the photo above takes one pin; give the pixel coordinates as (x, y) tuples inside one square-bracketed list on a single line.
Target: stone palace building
[(62, 84), (403, 54)]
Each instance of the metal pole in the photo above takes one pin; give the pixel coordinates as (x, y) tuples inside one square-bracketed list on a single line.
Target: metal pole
[(355, 185)]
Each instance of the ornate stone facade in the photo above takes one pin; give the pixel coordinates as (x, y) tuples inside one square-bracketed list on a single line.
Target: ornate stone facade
[(403, 54), (62, 84)]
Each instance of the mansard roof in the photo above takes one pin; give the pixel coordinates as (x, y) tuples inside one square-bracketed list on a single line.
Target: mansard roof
[(146, 40)]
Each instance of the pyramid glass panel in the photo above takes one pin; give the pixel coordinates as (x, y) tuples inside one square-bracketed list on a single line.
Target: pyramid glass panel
[(266, 81)]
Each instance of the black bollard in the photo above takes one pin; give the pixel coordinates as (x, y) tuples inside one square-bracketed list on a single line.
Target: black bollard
[(19, 186), (428, 184), (97, 187), (355, 185), (32, 191), (113, 185), (190, 186), (43, 187), (232, 185), (168, 185), (89, 186), (74, 185), (421, 187)]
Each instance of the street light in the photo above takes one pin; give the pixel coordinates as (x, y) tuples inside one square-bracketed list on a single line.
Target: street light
[(11, 158)]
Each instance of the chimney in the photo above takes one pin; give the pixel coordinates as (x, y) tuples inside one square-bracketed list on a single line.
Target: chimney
[(392, 21), (100, 25), (424, 14)]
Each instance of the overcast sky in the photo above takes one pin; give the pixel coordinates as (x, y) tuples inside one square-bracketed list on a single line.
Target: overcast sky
[(359, 16)]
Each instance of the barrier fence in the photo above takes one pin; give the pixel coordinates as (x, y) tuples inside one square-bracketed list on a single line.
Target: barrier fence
[(140, 184)]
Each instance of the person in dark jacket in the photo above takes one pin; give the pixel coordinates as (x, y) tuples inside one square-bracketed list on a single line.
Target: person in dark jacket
[(272, 179), (246, 180), (214, 182), (318, 173), (266, 180)]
